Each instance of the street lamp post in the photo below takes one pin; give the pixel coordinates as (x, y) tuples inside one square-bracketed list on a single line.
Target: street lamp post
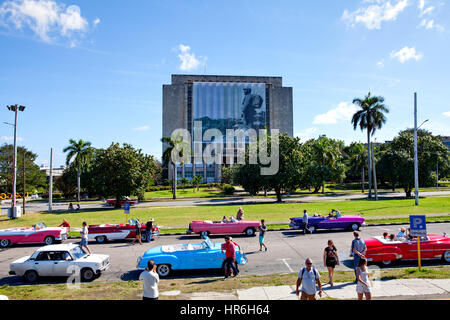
[(416, 161), (14, 108)]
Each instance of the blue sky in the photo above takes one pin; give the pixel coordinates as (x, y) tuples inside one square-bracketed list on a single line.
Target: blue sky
[(94, 69)]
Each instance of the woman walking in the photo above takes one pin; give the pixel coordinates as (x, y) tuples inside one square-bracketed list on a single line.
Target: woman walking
[(330, 259), (364, 282), (138, 232)]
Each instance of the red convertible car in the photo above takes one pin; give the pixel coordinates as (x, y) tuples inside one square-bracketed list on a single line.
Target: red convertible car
[(104, 232), (205, 228), (38, 233), (385, 252)]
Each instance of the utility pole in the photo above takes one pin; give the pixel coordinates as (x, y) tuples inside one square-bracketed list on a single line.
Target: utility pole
[(24, 190), (416, 161), (14, 108), (50, 190)]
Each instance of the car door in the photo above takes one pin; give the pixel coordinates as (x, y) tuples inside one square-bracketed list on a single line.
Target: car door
[(43, 264), (61, 262)]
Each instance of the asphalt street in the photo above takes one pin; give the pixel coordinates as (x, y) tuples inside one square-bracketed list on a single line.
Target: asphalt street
[(287, 252), (42, 206)]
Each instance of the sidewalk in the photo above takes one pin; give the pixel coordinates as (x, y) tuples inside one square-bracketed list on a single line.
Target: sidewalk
[(345, 291)]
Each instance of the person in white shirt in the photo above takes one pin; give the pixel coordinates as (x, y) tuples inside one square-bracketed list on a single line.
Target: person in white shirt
[(402, 234), (150, 281), (84, 237)]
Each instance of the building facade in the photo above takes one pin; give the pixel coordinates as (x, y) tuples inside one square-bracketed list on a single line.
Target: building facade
[(224, 102)]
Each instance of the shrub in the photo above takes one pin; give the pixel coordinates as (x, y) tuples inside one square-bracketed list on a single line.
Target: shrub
[(228, 189)]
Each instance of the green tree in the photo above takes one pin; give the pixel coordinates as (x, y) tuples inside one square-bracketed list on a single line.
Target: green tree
[(80, 152), (400, 153), (172, 144), (196, 180), (122, 171), (67, 182), (184, 182), (370, 118), (34, 177), (355, 158), (288, 175)]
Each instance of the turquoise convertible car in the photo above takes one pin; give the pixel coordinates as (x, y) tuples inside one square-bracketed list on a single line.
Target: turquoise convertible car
[(205, 255)]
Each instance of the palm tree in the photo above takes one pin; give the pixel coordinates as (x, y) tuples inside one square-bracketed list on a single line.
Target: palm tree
[(325, 153), (371, 117), (80, 151), (172, 144)]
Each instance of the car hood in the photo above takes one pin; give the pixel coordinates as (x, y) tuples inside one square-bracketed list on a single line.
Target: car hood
[(21, 260), (94, 258)]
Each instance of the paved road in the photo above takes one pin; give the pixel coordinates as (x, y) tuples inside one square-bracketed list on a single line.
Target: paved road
[(287, 252), (39, 206)]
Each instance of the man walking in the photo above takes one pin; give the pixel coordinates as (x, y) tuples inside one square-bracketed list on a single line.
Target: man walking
[(84, 237), (308, 276), (148, 229), (262, 232), (230, 256), (305, 222), (358, 250), (150, 280)]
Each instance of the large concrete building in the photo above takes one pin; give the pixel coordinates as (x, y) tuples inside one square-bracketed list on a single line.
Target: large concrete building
[(224, 102)]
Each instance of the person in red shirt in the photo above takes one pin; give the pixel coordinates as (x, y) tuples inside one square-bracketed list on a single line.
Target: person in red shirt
[(65, 224), (230, 256)]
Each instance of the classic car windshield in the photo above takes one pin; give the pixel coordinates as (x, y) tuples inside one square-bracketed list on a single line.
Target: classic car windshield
[(77, 253), (39, 225), (208, 243)]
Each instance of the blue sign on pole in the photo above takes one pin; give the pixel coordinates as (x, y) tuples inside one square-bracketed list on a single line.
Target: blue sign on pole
[(126, 208), (418, 225)]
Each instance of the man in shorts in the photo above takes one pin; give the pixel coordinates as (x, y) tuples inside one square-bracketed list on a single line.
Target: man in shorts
[(262, 232), (84, 237), (308, 276)]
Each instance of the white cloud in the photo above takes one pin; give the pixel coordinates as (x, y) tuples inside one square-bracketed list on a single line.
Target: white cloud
[(143, 128), (46, 18), (96, 21), (377, 12), (380, 64), (447, 114), (9, 139), (306, 134), (343, 112), (188, 60), (406, 54), (430, 24)]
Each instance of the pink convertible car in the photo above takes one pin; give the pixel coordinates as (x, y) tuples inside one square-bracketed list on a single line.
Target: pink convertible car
[(206, 227), (38, 233)]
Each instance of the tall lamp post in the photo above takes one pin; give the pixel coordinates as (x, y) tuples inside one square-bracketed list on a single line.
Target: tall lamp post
[(14, 108), (416, 161)]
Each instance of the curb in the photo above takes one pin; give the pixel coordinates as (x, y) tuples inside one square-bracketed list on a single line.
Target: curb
[(289, 229)]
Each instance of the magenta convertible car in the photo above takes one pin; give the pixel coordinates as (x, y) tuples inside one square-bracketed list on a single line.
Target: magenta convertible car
[(337, 221)]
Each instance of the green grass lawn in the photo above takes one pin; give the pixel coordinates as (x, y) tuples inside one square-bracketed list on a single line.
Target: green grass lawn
[(132, 290), (272, 212), (186, 193)]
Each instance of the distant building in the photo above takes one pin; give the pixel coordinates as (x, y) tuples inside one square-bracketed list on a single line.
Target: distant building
[(222, 103), (56, 172)]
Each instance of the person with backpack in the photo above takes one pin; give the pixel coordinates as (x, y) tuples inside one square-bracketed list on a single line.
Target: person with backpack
[(308, 276)]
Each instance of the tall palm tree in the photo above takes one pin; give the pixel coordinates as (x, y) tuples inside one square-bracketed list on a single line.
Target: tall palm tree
[(371, 117), (80, 151), (167, 157)]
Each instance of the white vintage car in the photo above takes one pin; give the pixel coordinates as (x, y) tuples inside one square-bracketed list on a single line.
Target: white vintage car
[(60, 260)]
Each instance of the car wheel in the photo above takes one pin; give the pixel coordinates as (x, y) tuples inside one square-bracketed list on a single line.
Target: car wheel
[(87, 274), (144, 237), (4, 243), (250, 232), (49, 240), (312, 229), (386, 263), (354, 226), (446, 256), (163, 270), (204, 234), (101, 239), (31, 276)]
